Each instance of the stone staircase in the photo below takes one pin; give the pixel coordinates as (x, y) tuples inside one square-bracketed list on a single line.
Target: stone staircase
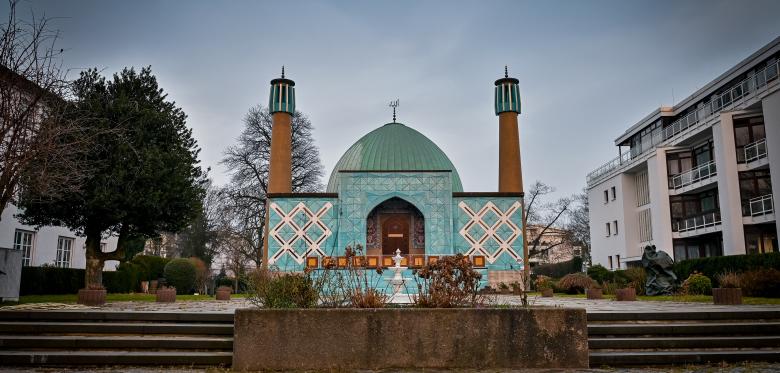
[(666, 338), (115, 338)]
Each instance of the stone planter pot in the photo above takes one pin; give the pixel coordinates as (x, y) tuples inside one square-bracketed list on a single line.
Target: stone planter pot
[(547, 293), (166, 295), (727, 296), (145, 287), (594, 293), (223, 293), (153, 286), (625, 295), (409, 339), (92, 297)]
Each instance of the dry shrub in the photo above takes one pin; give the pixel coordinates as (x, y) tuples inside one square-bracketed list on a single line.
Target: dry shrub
[(763, 282), (697, 284), (576, 283), (449, 282), (353, 285), (273, 289), (543, 282), (610, 288), (729, 280), (636, 278)]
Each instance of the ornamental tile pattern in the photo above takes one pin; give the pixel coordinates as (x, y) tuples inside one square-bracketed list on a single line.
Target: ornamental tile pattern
[(490, 226), (300, 227)]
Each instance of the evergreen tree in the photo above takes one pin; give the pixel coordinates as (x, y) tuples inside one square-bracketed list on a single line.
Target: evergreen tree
[(145, 178)]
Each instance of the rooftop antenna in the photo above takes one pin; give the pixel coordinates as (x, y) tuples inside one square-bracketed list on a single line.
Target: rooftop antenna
[(282, 71), (394, 104), (506, 71)]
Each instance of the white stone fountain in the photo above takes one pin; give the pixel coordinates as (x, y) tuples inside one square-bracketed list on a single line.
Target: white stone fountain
[(398, 281)]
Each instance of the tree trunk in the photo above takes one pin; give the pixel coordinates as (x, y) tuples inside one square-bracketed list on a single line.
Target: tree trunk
[(93, 275)]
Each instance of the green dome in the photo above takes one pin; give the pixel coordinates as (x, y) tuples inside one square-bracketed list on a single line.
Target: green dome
[(394, 147)]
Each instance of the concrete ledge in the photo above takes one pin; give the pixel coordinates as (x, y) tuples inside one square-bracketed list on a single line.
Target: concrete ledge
[(333, 339)]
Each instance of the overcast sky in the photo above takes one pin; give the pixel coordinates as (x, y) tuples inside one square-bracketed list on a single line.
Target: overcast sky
[(588, 70)]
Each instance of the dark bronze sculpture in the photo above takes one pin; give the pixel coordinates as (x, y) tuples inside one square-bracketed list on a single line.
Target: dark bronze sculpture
[(660, 278)]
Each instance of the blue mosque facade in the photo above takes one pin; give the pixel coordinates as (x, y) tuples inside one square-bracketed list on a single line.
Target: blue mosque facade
[(395, 189)]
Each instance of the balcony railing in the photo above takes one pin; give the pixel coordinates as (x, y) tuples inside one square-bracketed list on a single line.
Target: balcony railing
[(761, 205), (755, 151), (707, 220), (694, 175), (750, 85)]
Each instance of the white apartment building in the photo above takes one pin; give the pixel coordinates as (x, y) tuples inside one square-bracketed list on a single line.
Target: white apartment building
[(54, 246), (696, 179)]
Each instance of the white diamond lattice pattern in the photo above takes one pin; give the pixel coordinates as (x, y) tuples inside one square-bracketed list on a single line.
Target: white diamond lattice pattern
[(300, 223), (490, 231)]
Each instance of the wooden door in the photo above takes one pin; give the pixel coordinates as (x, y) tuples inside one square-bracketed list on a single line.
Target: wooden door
[(395, 233)]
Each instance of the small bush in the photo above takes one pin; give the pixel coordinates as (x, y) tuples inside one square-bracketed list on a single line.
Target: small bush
[(697, 284), (180, 273), (275, 290), (543, 282), (729, 280), (636, 278), (761, 283), (600, 274), (576, 283)]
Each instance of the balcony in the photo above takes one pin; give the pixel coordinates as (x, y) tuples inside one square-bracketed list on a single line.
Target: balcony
[(759, 210), (753, 155), (696, 225), (693, 178), (734, 96)]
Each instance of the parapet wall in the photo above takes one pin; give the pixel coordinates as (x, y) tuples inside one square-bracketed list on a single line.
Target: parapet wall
[(333, 339)]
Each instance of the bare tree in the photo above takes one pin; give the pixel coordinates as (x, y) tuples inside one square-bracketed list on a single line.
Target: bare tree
[(39, 147), (544, 214), (244, 199), (578, 225)]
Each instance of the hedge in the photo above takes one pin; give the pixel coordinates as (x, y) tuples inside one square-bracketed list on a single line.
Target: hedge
[(126, 279), (713, 266), (558, 270)]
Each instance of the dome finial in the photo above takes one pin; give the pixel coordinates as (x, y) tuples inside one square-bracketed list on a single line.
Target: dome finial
[(506, 71), (282, 71), (394, 104)]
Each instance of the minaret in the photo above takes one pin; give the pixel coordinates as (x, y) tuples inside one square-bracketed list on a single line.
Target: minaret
[(510, 175), (281, 105)]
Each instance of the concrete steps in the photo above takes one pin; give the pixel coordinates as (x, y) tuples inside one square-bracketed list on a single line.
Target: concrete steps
[(46, 338), (623, 339)]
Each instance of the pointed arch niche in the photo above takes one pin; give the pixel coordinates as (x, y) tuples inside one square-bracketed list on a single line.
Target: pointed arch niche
[(395, 224)]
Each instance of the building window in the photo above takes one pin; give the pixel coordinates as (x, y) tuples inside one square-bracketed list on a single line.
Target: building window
[(608, 230), (23, 241), (64, 246), (617, 259), (606, 196), (746, 132), (615, 230), (614, 193), (610, 261)]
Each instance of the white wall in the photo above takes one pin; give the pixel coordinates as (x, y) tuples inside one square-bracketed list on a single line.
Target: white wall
[(771, 108), (601, 213), (45, 241), (728, 186)]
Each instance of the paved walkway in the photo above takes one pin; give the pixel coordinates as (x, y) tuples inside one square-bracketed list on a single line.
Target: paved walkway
[(601, 305)]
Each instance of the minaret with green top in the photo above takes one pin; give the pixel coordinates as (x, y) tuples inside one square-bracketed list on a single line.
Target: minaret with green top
[(507, 106), (281, 105)]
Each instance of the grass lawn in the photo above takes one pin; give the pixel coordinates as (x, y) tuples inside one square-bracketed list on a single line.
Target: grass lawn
[(120, 297), (674, 298)]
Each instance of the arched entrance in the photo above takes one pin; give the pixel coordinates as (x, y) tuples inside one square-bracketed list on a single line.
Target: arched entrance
[(395, 225)]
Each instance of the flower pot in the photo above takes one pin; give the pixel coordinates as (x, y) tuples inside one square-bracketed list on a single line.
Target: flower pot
[(223, 293), (166, 295), (595, 293), (625, 295), (153, 286), (547, 293), (145, 287), (727, 295), (92, 297)]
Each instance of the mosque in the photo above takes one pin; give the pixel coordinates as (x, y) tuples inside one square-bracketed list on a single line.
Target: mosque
[(395, 189)]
